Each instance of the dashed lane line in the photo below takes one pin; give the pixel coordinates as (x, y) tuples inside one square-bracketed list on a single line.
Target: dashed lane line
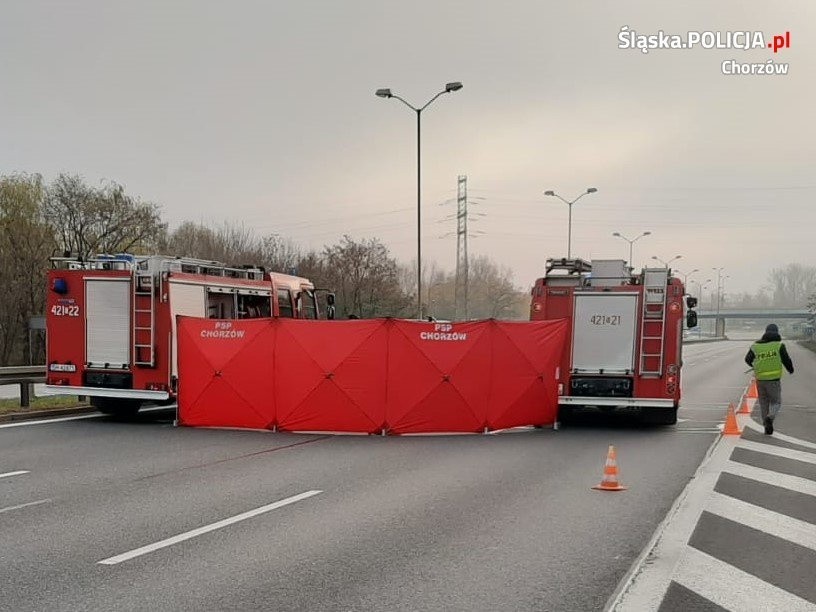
[(138, 552), (28, 505), (759, 518), (17, 473), (49, 421), (732, 588)]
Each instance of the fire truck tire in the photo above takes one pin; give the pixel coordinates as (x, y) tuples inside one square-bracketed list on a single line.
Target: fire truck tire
[(120, 408), (663, 416)]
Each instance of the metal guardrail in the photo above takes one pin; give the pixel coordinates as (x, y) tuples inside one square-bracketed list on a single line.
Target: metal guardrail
[(25, 376)]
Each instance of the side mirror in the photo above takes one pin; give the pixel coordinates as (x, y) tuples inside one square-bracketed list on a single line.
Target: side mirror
[(691, 319), (691, 302)]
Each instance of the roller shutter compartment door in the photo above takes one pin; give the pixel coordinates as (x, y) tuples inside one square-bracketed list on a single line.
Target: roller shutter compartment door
[(107, 323)]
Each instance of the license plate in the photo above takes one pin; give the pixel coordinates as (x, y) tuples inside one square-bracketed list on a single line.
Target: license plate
[(62, 367)]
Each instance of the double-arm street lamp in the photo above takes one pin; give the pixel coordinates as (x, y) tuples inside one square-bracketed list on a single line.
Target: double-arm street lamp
[(701, 286), (666, 263), (631, 242), (387, 93), (570, 203), (686, 275)]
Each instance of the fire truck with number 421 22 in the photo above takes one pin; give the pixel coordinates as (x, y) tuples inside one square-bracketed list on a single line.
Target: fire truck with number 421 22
[(111, 319), (624, 343)]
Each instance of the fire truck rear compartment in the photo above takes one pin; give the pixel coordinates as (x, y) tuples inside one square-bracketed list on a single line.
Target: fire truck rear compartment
[(108, 380), (601, 386)]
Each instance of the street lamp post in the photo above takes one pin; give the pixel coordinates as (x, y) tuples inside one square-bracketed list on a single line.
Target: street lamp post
[(700, 287), (631, 242), (666, 263), (719, 287), (570, 203), (386, 93), (685, 276)]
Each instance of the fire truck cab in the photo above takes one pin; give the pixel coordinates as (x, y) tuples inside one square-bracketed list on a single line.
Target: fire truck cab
[(624, 340), (111, 320)]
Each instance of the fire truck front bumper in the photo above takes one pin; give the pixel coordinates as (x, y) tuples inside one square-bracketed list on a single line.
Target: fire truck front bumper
[(619, 402), (144, 394)]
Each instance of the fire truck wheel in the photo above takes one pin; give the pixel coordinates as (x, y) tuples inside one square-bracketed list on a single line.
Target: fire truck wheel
[(116, 407), (662, 416)]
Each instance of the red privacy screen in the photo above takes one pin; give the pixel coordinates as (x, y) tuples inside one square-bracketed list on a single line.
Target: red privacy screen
[(368, 376)]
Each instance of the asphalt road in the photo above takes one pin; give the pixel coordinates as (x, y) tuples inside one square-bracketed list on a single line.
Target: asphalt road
[(497, 522)]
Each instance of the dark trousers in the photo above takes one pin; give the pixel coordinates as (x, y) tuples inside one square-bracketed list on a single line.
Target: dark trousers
[(770, 398)]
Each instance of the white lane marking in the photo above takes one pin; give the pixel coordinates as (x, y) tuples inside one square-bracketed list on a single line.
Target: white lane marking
[(732, 588), (34, 503), (754, 425), (48, 421), (206, 529), (778, 451), (646, 582), (794, 483), (17, 473), (762, 519), (93, 415)]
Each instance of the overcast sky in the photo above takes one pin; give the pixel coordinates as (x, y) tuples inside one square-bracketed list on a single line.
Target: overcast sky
[(264, 113)]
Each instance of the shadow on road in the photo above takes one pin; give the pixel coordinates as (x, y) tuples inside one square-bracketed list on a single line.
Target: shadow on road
[(596, 419)]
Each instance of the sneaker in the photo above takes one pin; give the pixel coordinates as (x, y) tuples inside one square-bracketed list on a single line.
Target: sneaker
[(768, 427)]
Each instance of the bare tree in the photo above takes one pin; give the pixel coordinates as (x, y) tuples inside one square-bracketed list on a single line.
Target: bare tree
[(26, 242), (792, 284), (90, 220), (365, 278), (492, 293)]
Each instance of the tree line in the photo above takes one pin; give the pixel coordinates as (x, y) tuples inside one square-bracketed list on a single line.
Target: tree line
[(39, 220)]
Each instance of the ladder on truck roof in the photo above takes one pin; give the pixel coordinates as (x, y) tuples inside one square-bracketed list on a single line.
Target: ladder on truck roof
[(191, 265), (653, 323), (144, 319), (155, 264)]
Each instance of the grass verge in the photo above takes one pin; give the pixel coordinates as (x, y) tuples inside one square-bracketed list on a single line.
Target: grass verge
[(40, 403)]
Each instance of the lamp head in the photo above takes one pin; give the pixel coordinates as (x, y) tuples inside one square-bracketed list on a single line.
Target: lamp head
[(384, 93), (549, 192), (616, 234), (455, 86), (591, 190), (647, 233)]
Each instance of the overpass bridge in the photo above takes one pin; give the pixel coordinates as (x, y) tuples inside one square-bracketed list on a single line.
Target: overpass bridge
[(755, 313), (776, 314)]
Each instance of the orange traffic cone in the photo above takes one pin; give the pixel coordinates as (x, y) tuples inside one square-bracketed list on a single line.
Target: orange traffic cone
[(609, 482), (731, 427), (744, 408), (752, 390)]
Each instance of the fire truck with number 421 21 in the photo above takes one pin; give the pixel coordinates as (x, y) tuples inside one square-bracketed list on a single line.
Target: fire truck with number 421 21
[(624, 343), (111, 319)]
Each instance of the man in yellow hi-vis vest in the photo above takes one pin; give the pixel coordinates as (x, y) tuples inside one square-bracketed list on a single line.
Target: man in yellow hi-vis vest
[(767, 357)]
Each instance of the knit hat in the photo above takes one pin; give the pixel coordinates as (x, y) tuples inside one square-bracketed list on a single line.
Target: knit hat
[(772, 329)]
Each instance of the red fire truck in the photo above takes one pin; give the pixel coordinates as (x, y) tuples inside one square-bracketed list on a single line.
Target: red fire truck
[(625, 336), (111, 319)]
